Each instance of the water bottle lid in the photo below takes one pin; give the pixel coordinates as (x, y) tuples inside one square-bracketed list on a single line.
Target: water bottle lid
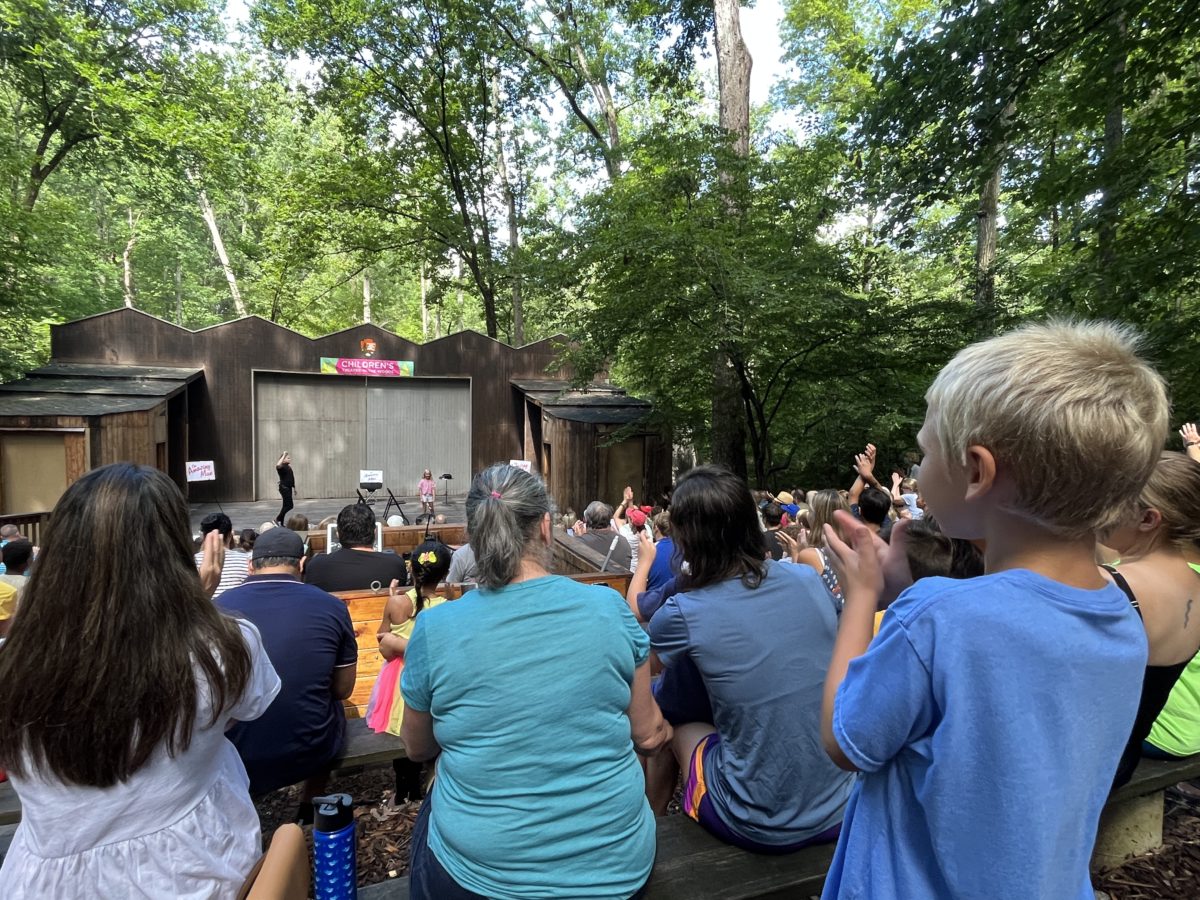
[(332, 813)]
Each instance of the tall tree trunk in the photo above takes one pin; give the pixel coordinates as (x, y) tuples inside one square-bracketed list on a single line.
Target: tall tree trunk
[(517, 338), (210, 219), (1114, 135), (366, 297), (178, 290), (424, 307), (458, 285), (127, 260), (733, 77), (987, 226), (1051, 159)]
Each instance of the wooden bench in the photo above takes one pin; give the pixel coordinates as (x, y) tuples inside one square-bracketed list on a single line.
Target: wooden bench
[(691, 863), (402, 538)]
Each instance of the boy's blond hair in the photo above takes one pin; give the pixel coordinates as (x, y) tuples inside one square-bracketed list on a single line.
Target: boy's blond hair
[(1071, 413)]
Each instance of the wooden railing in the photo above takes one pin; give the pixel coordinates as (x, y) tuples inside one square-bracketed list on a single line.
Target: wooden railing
[(31, 524)]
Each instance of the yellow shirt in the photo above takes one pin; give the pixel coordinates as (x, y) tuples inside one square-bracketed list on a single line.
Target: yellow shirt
[(8, 601)]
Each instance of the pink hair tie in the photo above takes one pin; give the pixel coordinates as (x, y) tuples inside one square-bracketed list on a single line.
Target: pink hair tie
[(496, 495)]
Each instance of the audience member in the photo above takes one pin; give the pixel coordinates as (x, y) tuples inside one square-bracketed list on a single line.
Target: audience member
[(823, 506), (431, 562), (246, 539), (977, 780), (309, 636), (565, 816), (600, 535), (8, 533), (462, 565), (237, 561), (772, 516), (297, 522), (759, 635), (356, 566), (17, 555), (113, 734), (665, 565), (1159, 547)]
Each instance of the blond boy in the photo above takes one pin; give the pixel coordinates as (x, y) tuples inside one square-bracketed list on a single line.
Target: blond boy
[(988, 716)]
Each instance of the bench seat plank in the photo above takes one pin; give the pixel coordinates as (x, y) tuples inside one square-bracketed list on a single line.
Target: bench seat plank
[(691, 863)]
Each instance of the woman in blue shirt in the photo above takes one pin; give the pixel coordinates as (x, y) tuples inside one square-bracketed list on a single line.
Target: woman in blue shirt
[(533, 692)]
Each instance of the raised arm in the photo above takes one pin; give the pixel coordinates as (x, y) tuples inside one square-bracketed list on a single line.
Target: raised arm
[(398, 609), (859, 571), (864, 466), (1191, 440), (626, 502), (641, 575)]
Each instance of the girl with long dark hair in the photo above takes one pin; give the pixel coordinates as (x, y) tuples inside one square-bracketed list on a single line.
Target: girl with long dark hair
[(117, 683), (760, 635)]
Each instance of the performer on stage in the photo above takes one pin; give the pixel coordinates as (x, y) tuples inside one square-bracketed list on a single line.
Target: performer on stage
[(427, 489), (287, 484)]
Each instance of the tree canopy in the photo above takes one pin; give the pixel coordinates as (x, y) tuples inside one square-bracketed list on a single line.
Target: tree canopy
[(926, 172)]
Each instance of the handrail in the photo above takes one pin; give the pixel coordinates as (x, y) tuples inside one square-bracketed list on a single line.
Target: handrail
[(31, 524)]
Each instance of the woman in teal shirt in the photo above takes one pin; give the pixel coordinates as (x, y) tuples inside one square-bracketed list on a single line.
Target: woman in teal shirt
[(533, 692)]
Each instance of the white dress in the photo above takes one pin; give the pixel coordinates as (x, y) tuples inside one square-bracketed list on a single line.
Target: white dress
[(180, 827)]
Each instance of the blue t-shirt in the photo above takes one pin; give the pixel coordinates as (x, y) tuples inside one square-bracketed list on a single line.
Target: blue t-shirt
[(763, 654), (987, 718), (539, 792), (307, 634), (664, 568)]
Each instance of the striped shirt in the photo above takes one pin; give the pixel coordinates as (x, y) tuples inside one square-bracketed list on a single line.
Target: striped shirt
[(233, 573)]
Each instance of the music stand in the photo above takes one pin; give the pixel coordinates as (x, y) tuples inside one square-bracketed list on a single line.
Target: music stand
[(370, 487), (447, 478), (392, 501)]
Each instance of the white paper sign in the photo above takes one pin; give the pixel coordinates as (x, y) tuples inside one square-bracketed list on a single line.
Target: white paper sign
[(201, 470), (370, 476), (521, 464)]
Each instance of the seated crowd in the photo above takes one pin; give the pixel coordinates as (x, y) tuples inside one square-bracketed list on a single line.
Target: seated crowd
[(945, 673)]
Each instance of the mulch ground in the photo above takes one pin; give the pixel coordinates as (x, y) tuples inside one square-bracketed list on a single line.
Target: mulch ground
[(1170, 873), (1173, 871)]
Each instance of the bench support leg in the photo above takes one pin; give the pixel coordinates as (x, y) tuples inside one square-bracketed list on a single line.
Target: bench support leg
[(1129, 828)]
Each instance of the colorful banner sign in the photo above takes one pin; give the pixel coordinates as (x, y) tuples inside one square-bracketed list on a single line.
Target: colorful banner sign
[(381, 368)]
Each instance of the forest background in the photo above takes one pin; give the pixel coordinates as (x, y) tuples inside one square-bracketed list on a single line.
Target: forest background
[(781, 279)]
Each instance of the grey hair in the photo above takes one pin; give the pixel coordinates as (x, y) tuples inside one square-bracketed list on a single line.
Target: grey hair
[(598, 514), (505, 507), (8, 531)]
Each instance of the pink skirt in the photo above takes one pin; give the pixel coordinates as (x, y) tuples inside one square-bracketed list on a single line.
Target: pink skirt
[(383, 695)]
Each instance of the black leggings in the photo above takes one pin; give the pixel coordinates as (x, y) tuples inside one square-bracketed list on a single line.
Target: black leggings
[(286, 494)]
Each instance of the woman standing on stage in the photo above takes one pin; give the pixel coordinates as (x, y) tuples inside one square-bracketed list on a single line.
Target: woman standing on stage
[(287, 484)]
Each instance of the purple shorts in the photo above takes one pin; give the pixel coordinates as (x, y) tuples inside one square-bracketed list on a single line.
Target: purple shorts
[(698, 805)]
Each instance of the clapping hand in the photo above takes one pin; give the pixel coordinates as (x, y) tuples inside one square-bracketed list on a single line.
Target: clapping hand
[(866, 564), (1189, 434), (647, 549)]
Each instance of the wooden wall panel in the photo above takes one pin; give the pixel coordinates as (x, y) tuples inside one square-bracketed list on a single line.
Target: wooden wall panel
[(220, 416), (78, 459)]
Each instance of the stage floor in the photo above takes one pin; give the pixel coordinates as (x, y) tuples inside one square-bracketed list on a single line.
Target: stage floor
[(253, 514)]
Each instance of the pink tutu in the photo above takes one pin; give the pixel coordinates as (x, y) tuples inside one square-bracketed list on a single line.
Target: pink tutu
[(383, 695)]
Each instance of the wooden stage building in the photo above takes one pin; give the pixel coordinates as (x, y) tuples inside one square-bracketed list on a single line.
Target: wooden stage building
[(124, 385)]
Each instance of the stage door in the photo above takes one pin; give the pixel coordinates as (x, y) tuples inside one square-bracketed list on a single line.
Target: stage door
[(335, 425)]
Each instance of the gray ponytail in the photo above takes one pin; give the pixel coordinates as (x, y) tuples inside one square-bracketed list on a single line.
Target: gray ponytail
[(505, 507)]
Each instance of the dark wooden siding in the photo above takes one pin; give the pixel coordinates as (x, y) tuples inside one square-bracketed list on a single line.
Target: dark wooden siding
[(220, 418)]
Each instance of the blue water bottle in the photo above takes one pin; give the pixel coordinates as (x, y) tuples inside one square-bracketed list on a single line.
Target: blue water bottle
[(334, 875)]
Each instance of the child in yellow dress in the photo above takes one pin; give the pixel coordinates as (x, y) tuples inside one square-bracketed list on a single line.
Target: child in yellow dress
[(430, 563)]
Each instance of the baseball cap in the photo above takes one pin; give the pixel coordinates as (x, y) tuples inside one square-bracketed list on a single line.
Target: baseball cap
[(278, 542)]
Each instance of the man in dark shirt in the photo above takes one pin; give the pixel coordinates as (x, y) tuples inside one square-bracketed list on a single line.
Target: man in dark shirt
[(356, 567), (309, 638), (772, 516), (600, 533)]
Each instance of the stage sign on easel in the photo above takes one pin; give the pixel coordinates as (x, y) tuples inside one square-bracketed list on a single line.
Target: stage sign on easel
[(201, 470)]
